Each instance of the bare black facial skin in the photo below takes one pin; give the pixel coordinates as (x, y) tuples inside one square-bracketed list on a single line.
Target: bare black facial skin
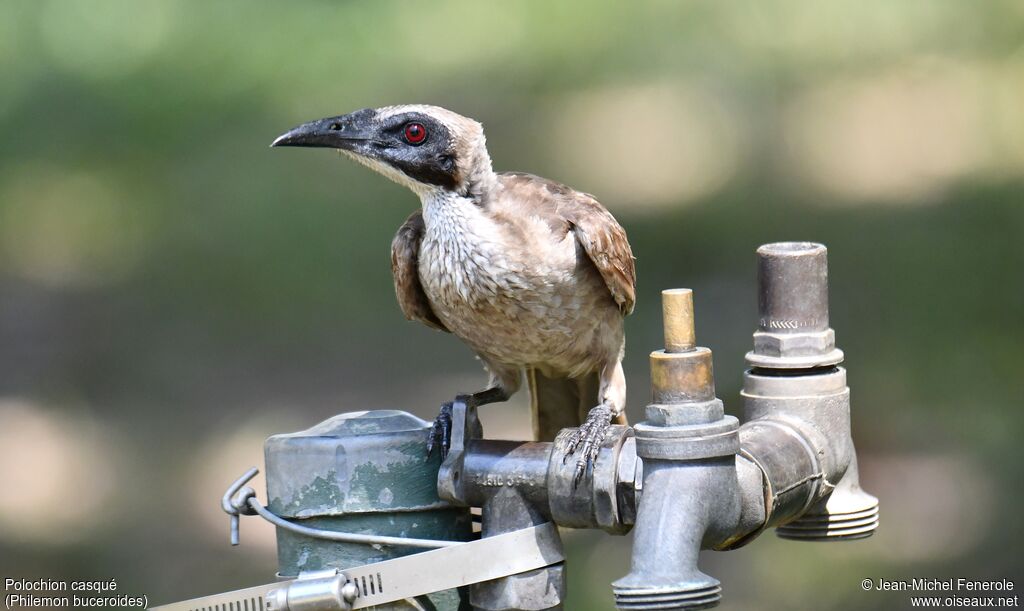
[(415, 144)]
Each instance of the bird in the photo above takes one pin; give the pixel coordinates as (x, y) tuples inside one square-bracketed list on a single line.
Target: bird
[(534, 277)]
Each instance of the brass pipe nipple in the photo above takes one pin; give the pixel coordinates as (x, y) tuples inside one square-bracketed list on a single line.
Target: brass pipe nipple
[(677, 317), (682, 375), (682, 372)]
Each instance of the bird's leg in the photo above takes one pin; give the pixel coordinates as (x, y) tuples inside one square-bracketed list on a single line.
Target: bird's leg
[(588, 439), (591, 434), (441, 432)]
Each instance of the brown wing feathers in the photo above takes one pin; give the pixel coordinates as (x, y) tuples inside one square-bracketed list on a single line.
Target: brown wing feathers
[(405, 254), (605, 243), (597, 231)]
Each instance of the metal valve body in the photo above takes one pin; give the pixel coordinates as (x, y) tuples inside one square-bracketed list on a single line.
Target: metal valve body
[(689, 477), (791, 465)]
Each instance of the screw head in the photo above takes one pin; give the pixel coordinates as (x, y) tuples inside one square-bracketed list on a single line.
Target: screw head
[(349, 591)]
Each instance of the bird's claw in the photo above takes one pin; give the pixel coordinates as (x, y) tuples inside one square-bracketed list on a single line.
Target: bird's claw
[(588, 439), (441, 432)]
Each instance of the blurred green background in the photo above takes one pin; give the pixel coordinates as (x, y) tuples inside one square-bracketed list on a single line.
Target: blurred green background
[(172, 291)]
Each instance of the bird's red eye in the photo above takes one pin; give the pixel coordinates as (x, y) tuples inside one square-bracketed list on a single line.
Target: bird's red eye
[(415, 133)]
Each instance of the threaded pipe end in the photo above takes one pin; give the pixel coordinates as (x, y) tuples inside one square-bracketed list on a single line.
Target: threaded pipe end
[(667, 599), (833, 526)]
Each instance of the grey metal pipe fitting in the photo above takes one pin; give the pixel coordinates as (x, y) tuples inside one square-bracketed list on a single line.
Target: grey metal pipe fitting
[(798, 432), (792, 330), (792, 464), (522, 484), (798, 405), (691, 497), (479, 469), (540, 589)]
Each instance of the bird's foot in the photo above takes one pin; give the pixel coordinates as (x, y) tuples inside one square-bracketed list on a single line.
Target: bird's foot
[(588, 439), (441, 432)]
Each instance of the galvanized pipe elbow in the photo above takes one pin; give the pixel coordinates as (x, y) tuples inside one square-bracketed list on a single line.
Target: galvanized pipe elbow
[(797, 403)]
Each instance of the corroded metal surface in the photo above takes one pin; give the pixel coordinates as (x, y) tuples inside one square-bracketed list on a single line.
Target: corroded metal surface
[(682, 376), (361, 472), (359, 462)]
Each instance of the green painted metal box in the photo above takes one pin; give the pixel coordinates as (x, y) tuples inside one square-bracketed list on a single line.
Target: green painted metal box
[(360, 472)]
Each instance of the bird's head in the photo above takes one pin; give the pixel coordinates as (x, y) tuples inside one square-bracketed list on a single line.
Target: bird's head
[(426, 148)]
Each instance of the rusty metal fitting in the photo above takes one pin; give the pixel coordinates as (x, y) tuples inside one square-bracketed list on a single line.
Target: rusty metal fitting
[(682, 377)]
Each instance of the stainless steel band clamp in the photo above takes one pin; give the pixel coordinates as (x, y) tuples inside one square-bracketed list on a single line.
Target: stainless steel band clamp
[(452, 566), (401, 578)]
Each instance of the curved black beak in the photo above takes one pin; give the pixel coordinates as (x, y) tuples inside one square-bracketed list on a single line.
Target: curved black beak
[(346, 132)]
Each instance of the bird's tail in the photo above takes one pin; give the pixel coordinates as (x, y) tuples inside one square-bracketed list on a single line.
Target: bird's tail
[(558, 403)]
